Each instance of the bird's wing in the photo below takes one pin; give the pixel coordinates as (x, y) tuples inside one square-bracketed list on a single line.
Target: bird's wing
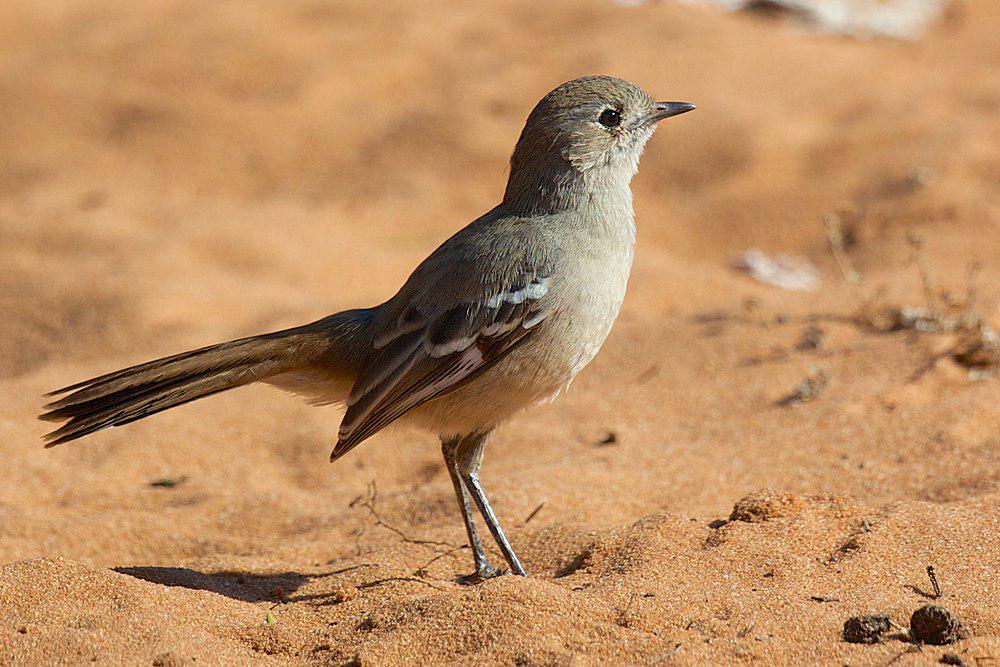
[(441, 340)]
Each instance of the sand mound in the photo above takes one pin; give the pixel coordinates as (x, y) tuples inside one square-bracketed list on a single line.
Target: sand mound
[(58, 610), (658, 588)]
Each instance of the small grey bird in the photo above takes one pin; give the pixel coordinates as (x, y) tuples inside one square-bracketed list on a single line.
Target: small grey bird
[(501, 316)]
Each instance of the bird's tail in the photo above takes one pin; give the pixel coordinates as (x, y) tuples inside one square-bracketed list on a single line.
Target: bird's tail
[(333, 345)]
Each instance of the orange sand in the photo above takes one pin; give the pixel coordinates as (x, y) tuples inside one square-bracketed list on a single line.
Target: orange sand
[(173, 174)]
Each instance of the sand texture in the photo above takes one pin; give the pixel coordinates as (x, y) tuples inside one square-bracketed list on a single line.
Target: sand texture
[(740, 470)]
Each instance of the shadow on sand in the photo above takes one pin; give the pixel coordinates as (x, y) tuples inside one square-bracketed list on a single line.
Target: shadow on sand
[(245, 586)]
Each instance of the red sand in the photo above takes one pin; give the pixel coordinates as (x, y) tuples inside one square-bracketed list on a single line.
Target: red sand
[(175, 174)]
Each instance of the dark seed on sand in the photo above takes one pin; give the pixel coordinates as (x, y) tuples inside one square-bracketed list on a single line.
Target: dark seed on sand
[(610, 438), (168, 482), (936, 625), (952, 659), (866, 629)]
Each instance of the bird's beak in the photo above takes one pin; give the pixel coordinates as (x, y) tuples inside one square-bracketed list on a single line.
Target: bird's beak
[(668, 109)]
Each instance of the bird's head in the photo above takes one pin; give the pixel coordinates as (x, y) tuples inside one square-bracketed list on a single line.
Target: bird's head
[(594, 125)]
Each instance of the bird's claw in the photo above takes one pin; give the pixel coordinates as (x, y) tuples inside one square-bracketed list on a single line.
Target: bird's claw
[(481, 574)]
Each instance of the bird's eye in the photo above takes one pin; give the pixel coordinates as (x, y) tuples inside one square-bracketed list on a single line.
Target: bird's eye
[(610, 118)]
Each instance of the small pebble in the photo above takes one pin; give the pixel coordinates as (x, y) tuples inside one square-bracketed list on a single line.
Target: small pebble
[(952, 659), (609, 438), (341, 591), (866, 629), (168, 659), (936, 625)]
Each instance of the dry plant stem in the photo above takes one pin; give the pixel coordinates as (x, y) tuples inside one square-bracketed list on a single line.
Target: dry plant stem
[(415, 580), (971, 288), (934, 582), (534, 512), (917, 259), (835, 236), (979, 346), (369, 501), (909, 649), (423, 568)]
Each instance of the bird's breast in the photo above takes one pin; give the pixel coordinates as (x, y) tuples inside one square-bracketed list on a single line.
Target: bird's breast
[(591, 288), (588, 287)]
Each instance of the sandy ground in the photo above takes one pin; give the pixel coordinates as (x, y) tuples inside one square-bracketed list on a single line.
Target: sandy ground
[(173, 174)]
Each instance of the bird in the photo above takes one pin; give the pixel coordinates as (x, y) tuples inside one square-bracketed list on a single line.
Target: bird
[(501, 316)]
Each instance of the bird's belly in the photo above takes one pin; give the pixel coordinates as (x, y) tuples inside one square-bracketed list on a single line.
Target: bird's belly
[(537, 370), (575, 337)]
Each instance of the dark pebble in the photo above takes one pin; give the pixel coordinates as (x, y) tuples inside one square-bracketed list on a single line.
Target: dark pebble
[(866, 629), (936, 625)]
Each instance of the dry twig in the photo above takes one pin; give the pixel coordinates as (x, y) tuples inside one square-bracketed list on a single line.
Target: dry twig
[(934, 582), (369, 500), (978, 344)]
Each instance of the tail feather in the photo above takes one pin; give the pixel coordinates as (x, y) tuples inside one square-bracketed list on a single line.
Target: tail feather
[(161, 372), (132, 393), (159, 365), (137, 406)]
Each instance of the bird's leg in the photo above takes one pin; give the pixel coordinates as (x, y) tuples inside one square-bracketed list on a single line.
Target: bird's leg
[(470, 458), (483, 568)]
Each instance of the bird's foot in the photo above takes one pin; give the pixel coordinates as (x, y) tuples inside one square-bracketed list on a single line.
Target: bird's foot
[(481, 574)]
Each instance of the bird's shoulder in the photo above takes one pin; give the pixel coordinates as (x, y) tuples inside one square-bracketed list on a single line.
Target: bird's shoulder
[(497, 252)]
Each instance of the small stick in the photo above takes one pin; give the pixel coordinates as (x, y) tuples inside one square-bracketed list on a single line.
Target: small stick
[(909, 649), (628, 607), (623, 615), (970, 283), (934, 582), (422, 570), (534, 512), (368, 502), (415, 580), (917, 259), (835, 236)]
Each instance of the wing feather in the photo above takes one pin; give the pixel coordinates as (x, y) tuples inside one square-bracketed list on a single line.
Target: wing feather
[(415, 363)]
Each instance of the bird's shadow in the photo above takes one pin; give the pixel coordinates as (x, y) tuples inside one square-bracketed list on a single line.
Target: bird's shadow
[(245, 586)]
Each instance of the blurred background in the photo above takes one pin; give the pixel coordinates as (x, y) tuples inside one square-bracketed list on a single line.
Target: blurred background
[(176, 173), (239, 160)]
